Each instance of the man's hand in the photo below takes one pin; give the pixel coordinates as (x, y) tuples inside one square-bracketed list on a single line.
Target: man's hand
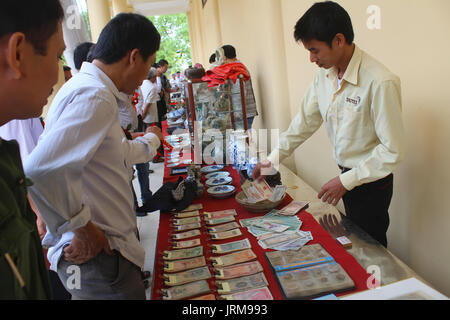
[(261, 170), (332, 191), (155, 130), (86, 244)]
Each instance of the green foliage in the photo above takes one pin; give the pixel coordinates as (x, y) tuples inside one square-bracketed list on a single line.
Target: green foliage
[(175, 45)]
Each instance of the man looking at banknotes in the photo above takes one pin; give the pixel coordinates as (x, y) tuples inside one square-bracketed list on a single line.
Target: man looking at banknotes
[(359, 100)]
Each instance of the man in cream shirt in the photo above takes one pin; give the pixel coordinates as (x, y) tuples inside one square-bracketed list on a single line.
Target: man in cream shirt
[(359, 101)]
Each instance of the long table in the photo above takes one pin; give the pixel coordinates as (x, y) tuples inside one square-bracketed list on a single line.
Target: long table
[(356, 261)]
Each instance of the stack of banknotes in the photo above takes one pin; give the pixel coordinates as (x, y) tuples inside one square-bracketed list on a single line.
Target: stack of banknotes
[(257, 191), (277, 231)]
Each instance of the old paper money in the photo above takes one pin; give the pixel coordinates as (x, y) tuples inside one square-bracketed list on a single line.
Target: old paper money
[(226, 234), (185, 264), (293, 208), (234, 258), (223, 227), (180, 215), (219, 214), (254, 294), (205, 297), (238, 270), (186, 244), (177, 279), (242, 284), (212, 222), (231, 246), (186, 290), (184, 221), (186, 235), (183, 253), (186, 227)]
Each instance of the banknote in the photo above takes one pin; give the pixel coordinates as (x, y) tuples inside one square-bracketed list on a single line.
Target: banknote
[(176, 279), (186, 235), (184, 221), (231, 246), (238, 270), (293, 208), (205, 297), (186, 227), (278, 239), (192, 207), (186, 244), (212, 222), (226, 234), (242, 284), (183, 253), (263, 188), (250, 191), (234, 258), (254, 294), (185, 264), (219, 214), (278, 193), (185, 291), (223, 227), (180, 215), (270, 226)]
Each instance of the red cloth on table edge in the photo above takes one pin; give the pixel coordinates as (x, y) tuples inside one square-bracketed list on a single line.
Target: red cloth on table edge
[(220, 74), (341, 256)]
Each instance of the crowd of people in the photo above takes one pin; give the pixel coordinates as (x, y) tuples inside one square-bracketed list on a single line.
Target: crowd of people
[(67, 184)]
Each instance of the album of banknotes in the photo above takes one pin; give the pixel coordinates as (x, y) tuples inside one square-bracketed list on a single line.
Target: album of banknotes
[(308, 272)]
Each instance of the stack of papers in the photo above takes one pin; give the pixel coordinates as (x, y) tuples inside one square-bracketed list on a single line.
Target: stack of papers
[(258, 191), (277, 232)]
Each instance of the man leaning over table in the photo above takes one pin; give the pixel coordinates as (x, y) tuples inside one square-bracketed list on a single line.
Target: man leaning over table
[(81, 167), (359, 101)]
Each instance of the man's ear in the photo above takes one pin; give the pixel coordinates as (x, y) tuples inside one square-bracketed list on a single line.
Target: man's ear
[(340, 39), (15, 54), (133, 56)]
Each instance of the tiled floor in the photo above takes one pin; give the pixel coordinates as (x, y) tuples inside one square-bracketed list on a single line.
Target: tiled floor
[(148, 225)]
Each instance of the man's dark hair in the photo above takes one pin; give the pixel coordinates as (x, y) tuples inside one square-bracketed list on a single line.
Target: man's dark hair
[(80, 54), (38, 20), (322, 22), (162, 63), (212, 58), (229, 51), (67, 68), (125, 32)]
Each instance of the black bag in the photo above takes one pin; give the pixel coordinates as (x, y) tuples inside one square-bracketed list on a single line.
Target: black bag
[(172, 196)]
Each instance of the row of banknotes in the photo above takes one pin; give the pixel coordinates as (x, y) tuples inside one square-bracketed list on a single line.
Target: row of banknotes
[(232, 266)]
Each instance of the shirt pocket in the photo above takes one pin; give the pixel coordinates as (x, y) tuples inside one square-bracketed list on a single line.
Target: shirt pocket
[(355, 122)]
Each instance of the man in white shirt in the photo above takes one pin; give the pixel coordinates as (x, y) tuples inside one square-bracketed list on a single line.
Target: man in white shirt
[(359, 101), (150, 98), (80, 167)]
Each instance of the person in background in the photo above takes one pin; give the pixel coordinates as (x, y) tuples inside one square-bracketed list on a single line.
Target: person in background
[(67, 73), (359, 101), (80, 166), (149, 94), (31, 44), (81, 54), (250, 102)]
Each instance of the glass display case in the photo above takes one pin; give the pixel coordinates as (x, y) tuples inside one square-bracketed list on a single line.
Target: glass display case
[(213, 114)]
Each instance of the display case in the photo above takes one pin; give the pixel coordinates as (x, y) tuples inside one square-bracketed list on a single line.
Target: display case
[(213, 114)]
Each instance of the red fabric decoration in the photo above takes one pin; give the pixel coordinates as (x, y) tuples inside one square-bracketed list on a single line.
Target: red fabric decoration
[(220, 74)]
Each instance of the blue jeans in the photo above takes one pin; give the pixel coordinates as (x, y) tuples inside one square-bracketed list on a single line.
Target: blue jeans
[(143, 170), (250, 122)]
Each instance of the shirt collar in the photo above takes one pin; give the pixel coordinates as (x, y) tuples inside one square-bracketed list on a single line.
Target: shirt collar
[(93, 70), (351, 73)]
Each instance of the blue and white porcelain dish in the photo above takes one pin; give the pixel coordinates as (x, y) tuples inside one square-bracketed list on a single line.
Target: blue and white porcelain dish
[(214, 168), (218, 181), (218, 174)]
